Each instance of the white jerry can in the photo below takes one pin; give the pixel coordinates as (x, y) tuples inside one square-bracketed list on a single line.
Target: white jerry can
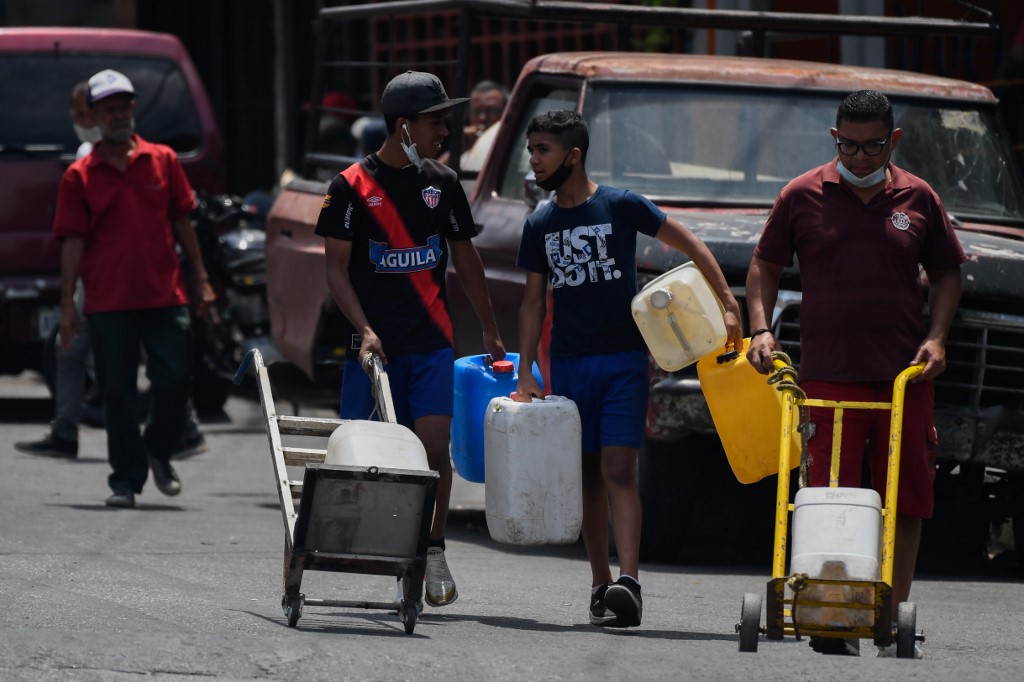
[(837, 535), (680, 318), (534, 471), (364, 443)]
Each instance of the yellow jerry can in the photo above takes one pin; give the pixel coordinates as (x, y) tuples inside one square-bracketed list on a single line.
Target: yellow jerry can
[(747, 412)]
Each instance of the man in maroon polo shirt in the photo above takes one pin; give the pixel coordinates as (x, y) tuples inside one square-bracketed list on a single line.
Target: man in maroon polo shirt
[(863, 230), (120, 211)]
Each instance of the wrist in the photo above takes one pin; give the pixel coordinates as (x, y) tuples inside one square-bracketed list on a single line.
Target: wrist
[(758, 332)]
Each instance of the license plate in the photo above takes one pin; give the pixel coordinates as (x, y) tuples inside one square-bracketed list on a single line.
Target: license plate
[(48, 319)]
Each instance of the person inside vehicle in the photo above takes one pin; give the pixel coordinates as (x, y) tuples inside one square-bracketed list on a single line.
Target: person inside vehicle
[(863, 230), (583, 244), (390, 224), (487, 103)]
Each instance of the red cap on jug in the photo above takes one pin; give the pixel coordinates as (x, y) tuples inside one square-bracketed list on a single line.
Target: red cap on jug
[(503, 367)]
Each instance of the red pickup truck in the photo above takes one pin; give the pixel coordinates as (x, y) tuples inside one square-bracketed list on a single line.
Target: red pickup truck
[(38, 68), (712, 140)]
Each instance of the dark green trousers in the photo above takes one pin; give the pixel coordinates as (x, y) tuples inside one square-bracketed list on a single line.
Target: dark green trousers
[(117, 339)]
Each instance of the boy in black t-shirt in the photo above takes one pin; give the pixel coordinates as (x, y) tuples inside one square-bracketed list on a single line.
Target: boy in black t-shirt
[(583, 244), (391, 222)]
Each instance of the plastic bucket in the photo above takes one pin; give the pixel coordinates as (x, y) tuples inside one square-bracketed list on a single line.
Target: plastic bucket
[(747, 412), (837, 536), (476, 383), (364, 443), (534, 492), (680, 318)]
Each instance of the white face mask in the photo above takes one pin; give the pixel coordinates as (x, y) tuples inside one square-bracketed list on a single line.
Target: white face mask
[(410, 147), (870, 180), (90, 135)]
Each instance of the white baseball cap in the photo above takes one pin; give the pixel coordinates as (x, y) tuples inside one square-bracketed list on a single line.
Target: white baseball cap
[(107, 83)]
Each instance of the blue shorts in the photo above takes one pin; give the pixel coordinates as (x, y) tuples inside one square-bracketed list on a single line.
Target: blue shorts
[(422, 385), (610, 391)]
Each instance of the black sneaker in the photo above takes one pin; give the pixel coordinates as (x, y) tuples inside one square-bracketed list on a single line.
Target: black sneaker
[(836, 646), (124, 499), (624, 600), (49, 446), (164, 476), (599, 613), (189, 447)]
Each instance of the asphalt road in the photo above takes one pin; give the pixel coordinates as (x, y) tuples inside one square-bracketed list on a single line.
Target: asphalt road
[(189, 587)]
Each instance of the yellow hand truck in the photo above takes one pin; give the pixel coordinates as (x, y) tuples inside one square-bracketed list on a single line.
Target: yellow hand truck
[(829, 604)]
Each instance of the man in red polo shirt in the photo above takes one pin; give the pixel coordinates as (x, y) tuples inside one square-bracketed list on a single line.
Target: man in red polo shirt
[(863, 230), (120, 211)]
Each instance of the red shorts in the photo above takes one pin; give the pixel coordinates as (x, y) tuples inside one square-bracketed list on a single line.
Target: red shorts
[(867, 432)]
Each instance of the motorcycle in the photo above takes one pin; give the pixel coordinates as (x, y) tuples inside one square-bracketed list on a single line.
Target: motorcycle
[(230, 232)]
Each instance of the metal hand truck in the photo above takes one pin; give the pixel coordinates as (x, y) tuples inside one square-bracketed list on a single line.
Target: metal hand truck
[(370, 520)]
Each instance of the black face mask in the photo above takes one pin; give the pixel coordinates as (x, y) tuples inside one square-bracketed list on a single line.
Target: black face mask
[(558, 178)]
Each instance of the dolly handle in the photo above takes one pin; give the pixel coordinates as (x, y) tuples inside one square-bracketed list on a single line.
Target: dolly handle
[(892, 474), (253, 356)]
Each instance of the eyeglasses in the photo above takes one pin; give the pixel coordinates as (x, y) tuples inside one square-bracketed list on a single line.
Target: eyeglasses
[(869, 148)]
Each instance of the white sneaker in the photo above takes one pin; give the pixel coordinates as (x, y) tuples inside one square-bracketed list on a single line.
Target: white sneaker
[(440, 584), (890, 651)]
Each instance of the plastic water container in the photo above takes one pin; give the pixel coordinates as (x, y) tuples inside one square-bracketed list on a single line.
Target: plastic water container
[(680, 318), (837, 536), (476, 383), (534, 491), (747, 412), (368, 443)]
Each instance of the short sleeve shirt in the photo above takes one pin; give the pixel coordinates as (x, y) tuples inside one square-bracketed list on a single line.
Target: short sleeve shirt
[(399, 221), (125, 219), (862, 314), (588, 253)]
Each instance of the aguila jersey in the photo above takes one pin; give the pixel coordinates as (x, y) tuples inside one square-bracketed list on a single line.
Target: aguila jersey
[(399, 221)]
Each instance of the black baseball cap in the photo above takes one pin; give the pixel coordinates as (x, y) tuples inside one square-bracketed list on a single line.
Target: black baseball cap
[(415, 92)]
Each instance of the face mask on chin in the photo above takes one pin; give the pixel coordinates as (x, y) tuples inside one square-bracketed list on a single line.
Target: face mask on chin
[(869, 180), (90, 135), (558, 178), (410, 148)]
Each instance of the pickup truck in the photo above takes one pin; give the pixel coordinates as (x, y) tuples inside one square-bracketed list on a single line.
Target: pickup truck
[(712, 140), (38, 68)]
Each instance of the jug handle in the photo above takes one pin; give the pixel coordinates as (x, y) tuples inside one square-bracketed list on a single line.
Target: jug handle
[(727, 356)]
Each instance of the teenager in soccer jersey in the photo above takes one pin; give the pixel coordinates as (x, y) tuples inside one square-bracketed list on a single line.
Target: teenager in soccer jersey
[(390, 223), (583, 244)]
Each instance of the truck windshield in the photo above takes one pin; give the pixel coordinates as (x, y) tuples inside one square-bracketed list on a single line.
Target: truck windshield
[(739, 147), (37, 89)]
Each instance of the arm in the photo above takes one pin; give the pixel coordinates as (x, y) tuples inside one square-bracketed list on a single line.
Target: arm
[(943, 299), (531, 319), (678, 237), (339, 253), (201, 290), (70, 262), (762, 292), (470, 270)]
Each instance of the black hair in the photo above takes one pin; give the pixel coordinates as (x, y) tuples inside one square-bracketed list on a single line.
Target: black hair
[(865, 106), (390, 120), (568, 127), (487, 86)]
